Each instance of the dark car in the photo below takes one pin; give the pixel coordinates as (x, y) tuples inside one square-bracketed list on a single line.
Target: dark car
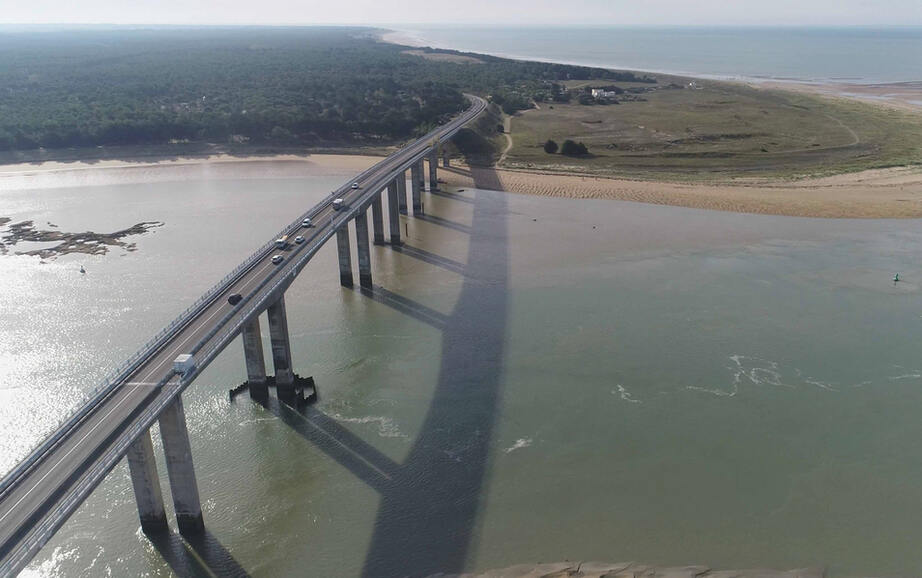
[(234, 299)]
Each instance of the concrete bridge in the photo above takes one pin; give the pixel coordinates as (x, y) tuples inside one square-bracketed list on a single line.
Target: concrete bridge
[(38, 496)]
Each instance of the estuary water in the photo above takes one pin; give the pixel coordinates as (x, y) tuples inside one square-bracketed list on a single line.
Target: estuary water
[(855, 55), (535, 379)]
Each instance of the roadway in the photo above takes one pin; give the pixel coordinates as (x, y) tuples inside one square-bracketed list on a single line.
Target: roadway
[(35, 502)]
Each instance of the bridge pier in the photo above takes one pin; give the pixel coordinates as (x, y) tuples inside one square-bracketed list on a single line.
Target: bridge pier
[(345, 255), (433, 169), (402, 192), (361, 239), (377, 219), (180, 469), (422, 174), (146, 483), (281, 345), (393, 213), (255, 360), (416, 173), (446, 162)]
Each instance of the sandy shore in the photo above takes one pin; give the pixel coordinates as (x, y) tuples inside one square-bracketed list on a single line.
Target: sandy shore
[(885, 193), (901, 95), (331, 161)]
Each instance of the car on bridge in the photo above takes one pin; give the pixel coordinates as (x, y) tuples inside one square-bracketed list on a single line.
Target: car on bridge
[(299, 239), (306, 223), (338, 204), (355, 185), (234, 298), (277, 259)]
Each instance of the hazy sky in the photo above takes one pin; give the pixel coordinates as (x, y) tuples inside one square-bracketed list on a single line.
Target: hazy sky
[(482, 12)]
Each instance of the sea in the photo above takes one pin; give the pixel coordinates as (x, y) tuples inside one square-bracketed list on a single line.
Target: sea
[(534, 380), (860, 55)]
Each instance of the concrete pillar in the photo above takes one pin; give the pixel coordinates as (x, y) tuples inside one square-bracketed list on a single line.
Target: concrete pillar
[(361, 239), (393, 213), (416, 174), (402, 192), (146, 483), (433, 169), (255, 360), (180, 469), (422, 175), (345, 255), (446, 162), (377, 219), (281, 344)]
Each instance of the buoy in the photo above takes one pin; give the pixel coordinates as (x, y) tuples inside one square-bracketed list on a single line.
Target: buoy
[(896, 278), (82, 270)]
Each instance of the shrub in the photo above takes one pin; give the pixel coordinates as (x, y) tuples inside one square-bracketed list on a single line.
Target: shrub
[(573, 149), (550, 147)]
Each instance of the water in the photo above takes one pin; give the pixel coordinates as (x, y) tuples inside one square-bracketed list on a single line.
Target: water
[(858, 55), (572, 380)]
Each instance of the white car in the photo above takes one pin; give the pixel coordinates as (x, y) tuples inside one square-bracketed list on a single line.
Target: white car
[(355, 185), (299, 239), (306, 223), (277, 259)]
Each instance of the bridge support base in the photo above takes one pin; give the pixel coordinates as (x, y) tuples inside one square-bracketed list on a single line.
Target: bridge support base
[(416, 174), (377, 219), (255, 360), (345, 255), (402, 192), (361, 239), (180, 469), (446, 162), (146, 484), (393, 213), (433, 170)]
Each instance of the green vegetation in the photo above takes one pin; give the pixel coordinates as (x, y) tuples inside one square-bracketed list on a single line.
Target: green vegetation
[(315, 87), (550, 146), (717, 130), (573, 149)]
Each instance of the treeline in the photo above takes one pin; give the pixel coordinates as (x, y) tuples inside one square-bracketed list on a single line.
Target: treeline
[(286, 86)]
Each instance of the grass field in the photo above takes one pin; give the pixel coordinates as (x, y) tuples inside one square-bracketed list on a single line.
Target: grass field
[(718, 131)]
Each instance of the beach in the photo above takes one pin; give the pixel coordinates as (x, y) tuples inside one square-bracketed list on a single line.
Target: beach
[(876, 194)]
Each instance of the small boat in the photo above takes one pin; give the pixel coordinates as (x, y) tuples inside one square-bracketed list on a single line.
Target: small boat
[(896, 278)]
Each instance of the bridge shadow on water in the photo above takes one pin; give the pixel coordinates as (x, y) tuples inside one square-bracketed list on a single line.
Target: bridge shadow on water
[(428, 513), (197, 556), (429, 503)]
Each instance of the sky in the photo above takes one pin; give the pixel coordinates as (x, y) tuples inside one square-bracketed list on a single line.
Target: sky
[(468, 12)]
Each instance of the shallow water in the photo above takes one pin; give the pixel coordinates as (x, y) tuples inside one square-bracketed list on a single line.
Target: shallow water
[(537, 379), (847, 54)]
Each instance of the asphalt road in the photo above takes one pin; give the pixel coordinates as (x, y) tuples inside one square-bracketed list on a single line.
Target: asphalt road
[(39, 501)]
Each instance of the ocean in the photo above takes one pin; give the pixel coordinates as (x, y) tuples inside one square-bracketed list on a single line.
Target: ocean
[(861, 55)]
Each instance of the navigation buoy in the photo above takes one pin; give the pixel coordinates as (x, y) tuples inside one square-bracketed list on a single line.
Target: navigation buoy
[(82, 270), (896, 278)]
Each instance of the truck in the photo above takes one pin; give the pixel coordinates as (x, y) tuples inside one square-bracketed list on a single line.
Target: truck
[(183, 363), (338, 204)]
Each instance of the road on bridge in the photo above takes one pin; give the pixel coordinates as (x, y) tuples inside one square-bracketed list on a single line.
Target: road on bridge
[(36, 500)]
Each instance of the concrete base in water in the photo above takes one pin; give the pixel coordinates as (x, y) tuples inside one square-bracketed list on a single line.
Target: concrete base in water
[(300, 392), (631, 570)]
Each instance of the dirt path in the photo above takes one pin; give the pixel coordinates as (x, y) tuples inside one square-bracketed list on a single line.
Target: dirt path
[(507, 129)]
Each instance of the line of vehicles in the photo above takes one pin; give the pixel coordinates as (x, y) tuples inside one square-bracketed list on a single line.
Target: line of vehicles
[(283, 241)]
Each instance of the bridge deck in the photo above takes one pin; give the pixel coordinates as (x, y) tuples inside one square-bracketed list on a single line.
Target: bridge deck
[(38, 501)]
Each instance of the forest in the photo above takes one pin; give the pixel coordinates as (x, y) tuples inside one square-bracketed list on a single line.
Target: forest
[(283, 86)]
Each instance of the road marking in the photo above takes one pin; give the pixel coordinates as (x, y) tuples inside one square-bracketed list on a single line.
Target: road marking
[(64, 457)]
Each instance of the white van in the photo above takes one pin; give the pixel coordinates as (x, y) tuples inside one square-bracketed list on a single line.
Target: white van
[(337, 204)]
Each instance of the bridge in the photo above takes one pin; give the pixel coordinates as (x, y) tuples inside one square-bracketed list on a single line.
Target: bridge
[(43, 490)]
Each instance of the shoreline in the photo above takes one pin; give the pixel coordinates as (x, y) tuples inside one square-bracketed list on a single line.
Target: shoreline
[(905, 95)]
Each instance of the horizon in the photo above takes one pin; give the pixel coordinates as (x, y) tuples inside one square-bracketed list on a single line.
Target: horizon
[(820, 13)]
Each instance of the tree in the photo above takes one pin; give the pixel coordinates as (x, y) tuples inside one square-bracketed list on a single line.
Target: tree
[(573, 149), (550, 147)]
